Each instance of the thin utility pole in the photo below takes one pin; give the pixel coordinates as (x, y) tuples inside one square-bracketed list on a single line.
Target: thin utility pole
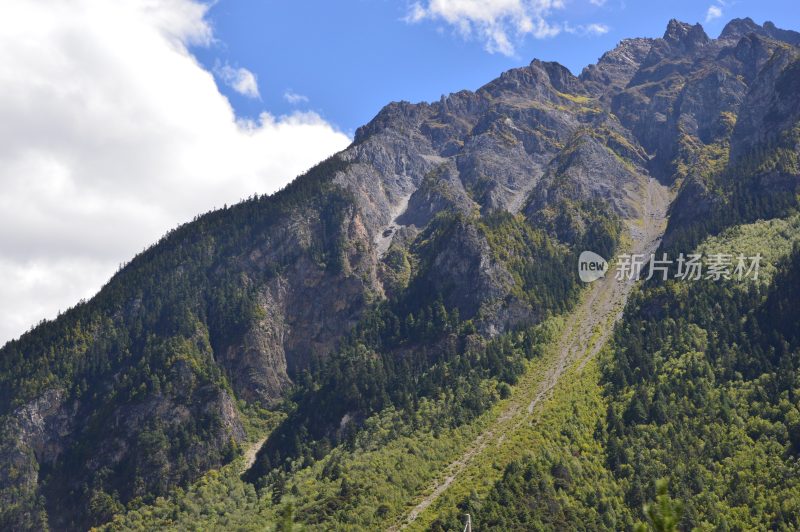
[(468, 526)]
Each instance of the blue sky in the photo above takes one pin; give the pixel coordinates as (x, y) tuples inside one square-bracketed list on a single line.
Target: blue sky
[(351, 57)]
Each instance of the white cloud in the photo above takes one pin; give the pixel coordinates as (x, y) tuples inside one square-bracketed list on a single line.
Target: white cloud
[(111, 133), (596, 29), (587, 30), (239, 79), (598, 3), (499, 23), (714, 12), (294, 98)]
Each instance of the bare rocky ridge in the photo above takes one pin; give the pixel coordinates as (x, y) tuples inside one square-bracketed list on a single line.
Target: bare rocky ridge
[(615, 68)]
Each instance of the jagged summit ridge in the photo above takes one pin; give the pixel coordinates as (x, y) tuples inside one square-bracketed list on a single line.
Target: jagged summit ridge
[(741, 27), (686, 35)]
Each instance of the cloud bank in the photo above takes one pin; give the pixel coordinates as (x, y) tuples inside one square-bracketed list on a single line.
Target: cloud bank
[(111, 133)]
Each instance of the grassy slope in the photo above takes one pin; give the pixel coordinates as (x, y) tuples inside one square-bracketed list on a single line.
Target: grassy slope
[(562, 430)]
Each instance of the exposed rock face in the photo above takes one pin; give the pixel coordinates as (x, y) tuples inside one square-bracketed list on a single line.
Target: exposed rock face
[(441, 190), (44, 423), (771, 108), (591, 165), (684, 37), (34, 434), (257, 365), (466, 272), (616, 67), (741, 27), (276, 283), (787, 36)]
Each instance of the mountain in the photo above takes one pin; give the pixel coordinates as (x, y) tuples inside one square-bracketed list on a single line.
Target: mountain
[(395, 304)]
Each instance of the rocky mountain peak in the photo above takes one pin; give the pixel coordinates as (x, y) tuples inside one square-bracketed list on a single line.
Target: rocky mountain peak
[(558, 75), (391, 115), (628, 52), (685, 35), (789, 36), (616, 67), (740, 27)]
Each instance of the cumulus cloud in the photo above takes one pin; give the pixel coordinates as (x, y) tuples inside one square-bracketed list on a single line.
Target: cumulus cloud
[(294, 98), (499, 23), (714, 12), (239, 79), (111, 133)]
